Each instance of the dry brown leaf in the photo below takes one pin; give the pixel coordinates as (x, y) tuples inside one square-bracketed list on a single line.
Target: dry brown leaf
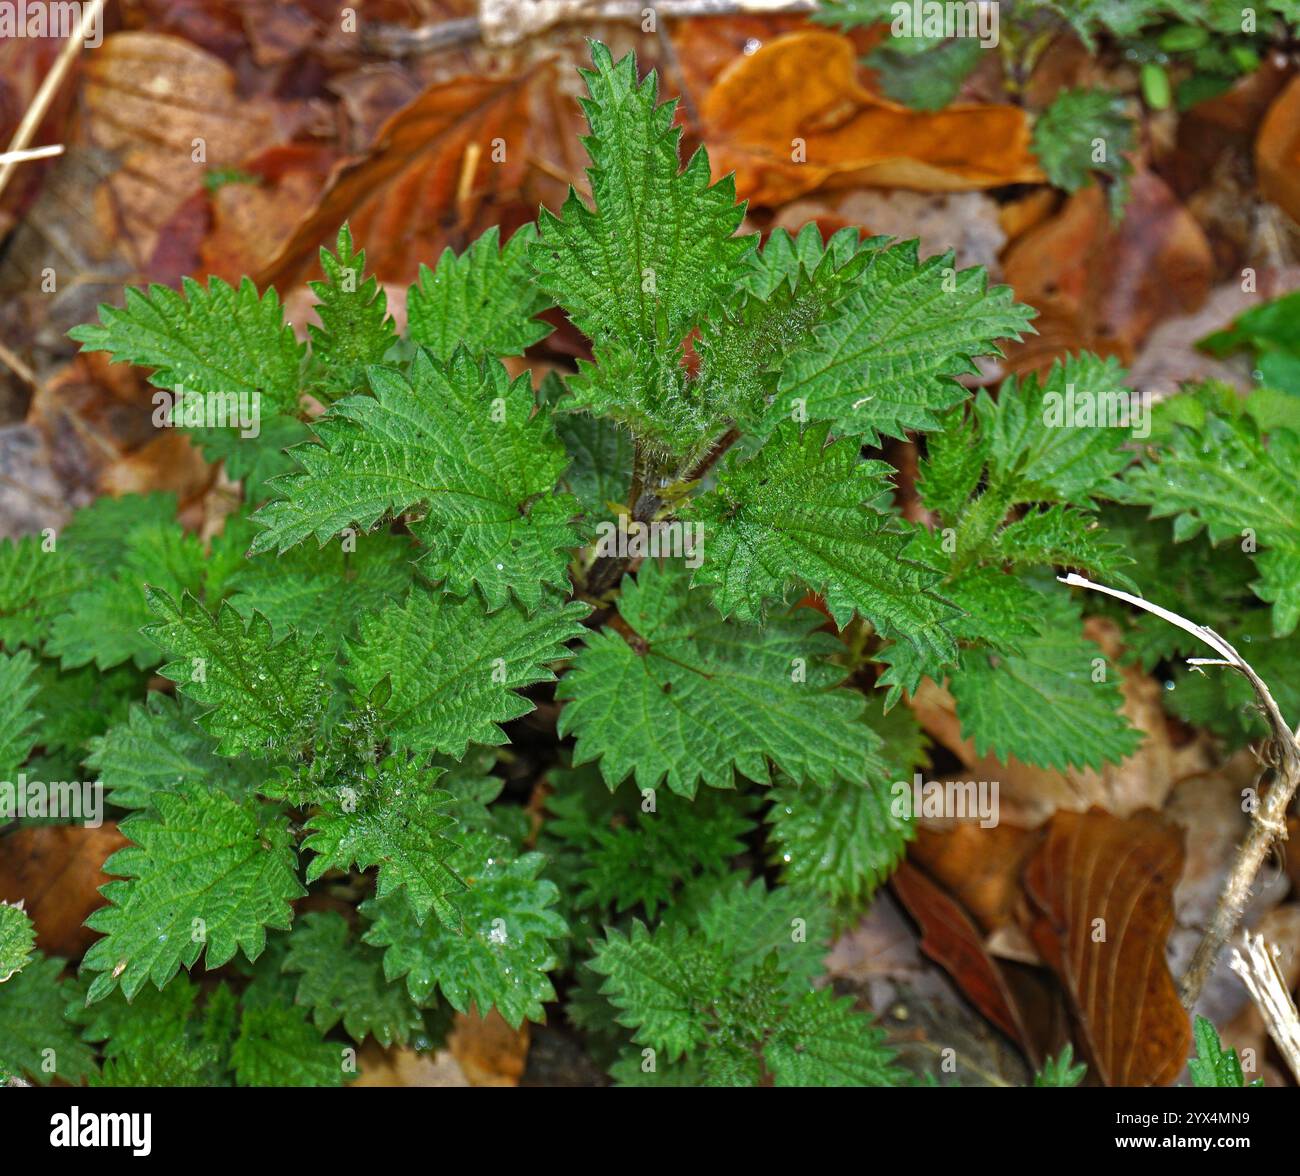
[(55, 869), (407, 1067), (952, 940), (1101, 891), (488, 1051), (148, 98), (1100, 286), (980, 867), (1277, 151), (804, 86), (421, 184)]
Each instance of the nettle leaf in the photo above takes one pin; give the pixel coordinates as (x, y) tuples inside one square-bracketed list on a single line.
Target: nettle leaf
[(159, 746), (17, 940), (266, 695), (1219, 473), (733, 992), (324, 590), (462, 445), (823, 1041), (484, 299), (103, 621), (497, 954), (1085, 132), (204, 873), (397, 822), (33, 1028), (277, 1046), (454, 669), (844, 840), (617, 853), (1002, 698), (17, 719), (1213, 1065), (34, 588), (77, 705), (600, 461), (211, 340), (648, 263), (689, 697), (801, 511), (794, 286), (888, 358), (355, 329), (344, 981)]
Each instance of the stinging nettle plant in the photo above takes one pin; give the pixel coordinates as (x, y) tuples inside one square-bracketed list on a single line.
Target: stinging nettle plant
[(408, 624)]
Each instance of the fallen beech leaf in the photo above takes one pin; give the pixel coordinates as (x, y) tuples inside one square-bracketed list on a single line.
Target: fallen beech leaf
[(149, 98), (1101, 889), (56, 870), (1277, 151), (407, 1067), (489, 1052), (1100, 286), (952, 940), (430, 167), (250, 221), (804, 86), (980, 868)]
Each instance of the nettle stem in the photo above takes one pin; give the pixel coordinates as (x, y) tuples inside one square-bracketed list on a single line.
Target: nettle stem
[(1269, 818)]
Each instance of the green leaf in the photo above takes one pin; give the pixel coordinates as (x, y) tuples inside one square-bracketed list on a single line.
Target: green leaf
[(463, 443), (844, 840), (355, 329), (1060, 1070), (324, 590), (344, 981), (1085, 132), (689, 697), (17, 719), (658, 249), (600, 461), (484, 299), (617, 851), (648, 263), (36, 1039), (801, 511), (213, 340), (204, 873), (266, 695), (925, 81), (1002, 699), (277, 1046), (34, 587), (1213, 1065), (454, 669), (888, 359), (17, 940), (1220, 473), (499, 953), (824, 1041), (102, 622), (160, 745), (397, 822)]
